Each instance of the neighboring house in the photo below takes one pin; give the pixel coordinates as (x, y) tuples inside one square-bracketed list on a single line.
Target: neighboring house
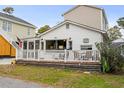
[(120, 44), (82, 28), (12, 29)]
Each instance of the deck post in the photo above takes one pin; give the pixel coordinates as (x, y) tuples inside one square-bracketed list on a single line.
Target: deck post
[(65, 59)]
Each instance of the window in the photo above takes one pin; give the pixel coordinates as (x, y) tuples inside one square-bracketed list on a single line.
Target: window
[(4, 25), (25, 45), (28, 31), (7, 26), (37, 43), (31, 45), (67, 26), (85, 40), (86, 47)]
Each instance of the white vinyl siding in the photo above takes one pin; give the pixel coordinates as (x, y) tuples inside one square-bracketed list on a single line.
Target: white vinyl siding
[(77, 34)]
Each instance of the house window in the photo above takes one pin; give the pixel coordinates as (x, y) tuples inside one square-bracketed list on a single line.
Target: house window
[(25, 45), (86, 47), (28, 31), (85, 40), (7, 26), (31, 45), (37, 43), (67, 26)]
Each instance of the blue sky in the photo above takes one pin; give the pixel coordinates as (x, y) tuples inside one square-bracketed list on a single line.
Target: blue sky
[(40, 15)]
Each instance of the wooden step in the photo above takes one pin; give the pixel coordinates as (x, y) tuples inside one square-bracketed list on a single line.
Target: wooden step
[(89, 66)]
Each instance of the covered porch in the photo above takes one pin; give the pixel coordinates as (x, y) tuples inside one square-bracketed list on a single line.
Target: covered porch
[(54, 50)]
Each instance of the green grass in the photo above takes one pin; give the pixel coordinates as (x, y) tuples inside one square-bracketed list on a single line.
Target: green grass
[(62, 77)]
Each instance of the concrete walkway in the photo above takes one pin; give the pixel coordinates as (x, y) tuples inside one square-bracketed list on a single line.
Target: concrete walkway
[(6, 60), (6, 82)]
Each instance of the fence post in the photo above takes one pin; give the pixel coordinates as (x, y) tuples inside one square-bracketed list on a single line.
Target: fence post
[(65, 59)]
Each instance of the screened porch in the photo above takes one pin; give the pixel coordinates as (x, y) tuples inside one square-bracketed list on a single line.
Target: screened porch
[(55, 50)]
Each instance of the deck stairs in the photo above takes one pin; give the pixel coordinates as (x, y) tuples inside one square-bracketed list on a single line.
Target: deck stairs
[(84, 66)]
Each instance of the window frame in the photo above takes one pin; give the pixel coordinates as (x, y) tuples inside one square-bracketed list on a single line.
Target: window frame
[(86, 47), (67, 25), (7, 26)]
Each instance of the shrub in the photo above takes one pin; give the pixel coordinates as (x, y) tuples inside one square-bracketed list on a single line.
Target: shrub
[(111, 58)]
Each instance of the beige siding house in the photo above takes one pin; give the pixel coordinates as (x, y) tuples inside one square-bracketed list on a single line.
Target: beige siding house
[(87, 15), (17, 27), (12, 29)]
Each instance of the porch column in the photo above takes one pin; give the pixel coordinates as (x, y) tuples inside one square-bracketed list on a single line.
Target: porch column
[(27, 48), (40, 44), (39, 49), (34, 49), (56, 44), (44, 44), (67, 44), (22, 49)]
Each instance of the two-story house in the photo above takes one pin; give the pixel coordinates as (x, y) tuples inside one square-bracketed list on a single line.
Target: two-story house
[(12, 29)]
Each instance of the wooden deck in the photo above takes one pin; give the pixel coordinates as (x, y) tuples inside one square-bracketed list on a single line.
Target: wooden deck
[(85, 66)]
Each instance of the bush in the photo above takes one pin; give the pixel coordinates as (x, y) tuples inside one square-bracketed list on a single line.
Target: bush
[(111, 59)]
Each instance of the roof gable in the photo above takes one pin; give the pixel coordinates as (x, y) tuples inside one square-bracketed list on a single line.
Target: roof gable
[(73, 23), (16, 19), (94, 7)]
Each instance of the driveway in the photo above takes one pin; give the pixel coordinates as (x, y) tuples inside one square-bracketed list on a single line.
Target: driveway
[(6, 82)]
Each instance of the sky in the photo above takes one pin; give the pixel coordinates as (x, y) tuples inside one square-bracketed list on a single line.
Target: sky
[(41, 15)]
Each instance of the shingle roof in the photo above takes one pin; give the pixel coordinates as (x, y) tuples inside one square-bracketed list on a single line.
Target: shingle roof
[(16, 19)]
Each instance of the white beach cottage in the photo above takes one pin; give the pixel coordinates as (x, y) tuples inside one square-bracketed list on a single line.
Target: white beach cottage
[(73, 39)]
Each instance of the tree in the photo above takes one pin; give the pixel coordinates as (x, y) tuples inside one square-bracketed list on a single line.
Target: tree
[(8, 10), (120, 22), (43, 29), (111, 58), (114, 33)]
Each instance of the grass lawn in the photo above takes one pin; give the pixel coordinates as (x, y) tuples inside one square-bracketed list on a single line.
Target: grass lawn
[(62, 77)]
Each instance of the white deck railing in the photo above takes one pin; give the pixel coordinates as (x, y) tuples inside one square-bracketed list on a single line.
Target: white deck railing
[(59, 55)]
